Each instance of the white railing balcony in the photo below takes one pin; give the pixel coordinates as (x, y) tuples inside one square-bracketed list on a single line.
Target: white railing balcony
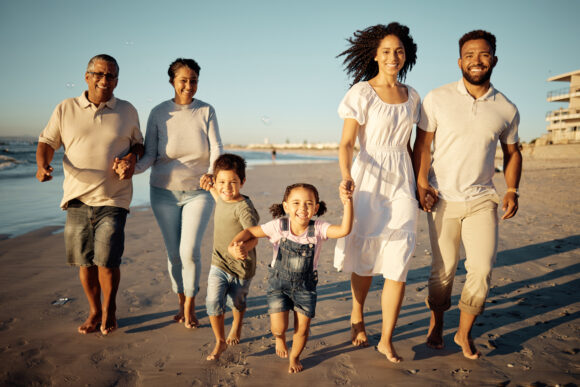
[(564, 93), (563, 114)]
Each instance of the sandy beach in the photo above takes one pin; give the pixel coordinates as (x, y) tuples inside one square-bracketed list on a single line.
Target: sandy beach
[(529, 333)]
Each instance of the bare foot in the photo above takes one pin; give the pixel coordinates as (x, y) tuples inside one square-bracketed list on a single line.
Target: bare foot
[(358, 334), (281, 349), (220, 347), (191, 323), (435, 335), (468, 348), (388, 350), (108, 324), (234, 336), (180, 316), (295, 366), (90, 325)]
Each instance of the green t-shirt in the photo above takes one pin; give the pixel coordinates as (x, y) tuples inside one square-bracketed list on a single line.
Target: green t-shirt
[(229, 220)]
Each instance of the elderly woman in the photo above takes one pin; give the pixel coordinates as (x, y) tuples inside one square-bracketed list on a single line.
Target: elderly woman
[(181, 143)]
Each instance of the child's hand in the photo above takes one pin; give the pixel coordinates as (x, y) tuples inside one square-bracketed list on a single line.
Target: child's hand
[(206, 182), (238, 250), (345, 190)]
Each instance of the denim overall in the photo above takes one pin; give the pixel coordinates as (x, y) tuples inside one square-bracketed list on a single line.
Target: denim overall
[(292, 281)]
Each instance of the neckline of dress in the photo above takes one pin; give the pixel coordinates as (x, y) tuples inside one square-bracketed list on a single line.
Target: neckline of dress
[(387, 103)]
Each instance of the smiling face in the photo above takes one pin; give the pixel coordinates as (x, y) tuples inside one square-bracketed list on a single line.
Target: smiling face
[(228, 185), (101, 82), (300, 206), (390, 55), (185, 85), (477, 61)]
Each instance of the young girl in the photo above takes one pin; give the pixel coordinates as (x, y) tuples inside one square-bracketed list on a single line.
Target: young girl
[(296, 239)]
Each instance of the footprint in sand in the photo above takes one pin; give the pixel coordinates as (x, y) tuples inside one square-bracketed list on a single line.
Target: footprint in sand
[(461, 373), (343, 371)]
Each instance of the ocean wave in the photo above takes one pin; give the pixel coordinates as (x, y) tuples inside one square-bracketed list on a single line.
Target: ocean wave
[(7, 162)]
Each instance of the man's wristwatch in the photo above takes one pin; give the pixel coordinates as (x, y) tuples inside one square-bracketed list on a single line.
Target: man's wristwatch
[(514, 190)]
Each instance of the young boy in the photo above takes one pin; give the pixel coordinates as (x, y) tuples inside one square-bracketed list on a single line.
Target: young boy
[(229, 278)]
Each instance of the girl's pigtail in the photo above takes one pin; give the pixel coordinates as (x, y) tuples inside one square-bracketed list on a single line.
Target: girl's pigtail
[(321, 208), (277, 210)]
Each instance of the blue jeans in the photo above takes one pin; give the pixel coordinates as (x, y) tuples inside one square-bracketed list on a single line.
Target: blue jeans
[(225, 289), (94, 235), (183, 217)]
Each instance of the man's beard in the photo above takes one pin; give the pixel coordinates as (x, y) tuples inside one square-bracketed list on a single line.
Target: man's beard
[(479, 80)]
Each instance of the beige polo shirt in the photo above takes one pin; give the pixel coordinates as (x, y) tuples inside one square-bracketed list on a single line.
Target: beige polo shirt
[(467, 131), (92, 137)]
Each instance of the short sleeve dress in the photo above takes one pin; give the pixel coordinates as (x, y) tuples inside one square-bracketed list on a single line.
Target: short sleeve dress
[(384, 232)]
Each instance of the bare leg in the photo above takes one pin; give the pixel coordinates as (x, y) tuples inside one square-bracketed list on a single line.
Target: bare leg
[(90, 281), (435, 334), (391, 301), (359, 286), (189, 313), (217, 326), (236, 329), (463, 336), (179, 317), (301, 329), (278, 326), (109, 279)]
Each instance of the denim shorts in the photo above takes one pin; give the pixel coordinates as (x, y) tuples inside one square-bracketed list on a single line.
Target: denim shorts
[(285, 294), (94, 235), (225, 289)]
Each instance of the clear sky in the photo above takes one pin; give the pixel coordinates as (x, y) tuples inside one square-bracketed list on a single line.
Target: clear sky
[(268, 67)]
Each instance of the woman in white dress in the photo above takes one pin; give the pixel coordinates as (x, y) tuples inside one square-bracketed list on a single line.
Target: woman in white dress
[(381, 112)]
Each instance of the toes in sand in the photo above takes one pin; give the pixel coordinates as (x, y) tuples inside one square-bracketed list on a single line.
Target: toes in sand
[(468, 348), (90, 325), (388, 350), (295, 366), (358, 334), (281, 349), (220, 347)]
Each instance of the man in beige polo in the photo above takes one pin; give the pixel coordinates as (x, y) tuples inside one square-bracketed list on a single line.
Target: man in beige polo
[(94, 129), (464, 121)]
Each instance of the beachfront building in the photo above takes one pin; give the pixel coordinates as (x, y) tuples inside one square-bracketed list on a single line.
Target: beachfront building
[(564, 123)]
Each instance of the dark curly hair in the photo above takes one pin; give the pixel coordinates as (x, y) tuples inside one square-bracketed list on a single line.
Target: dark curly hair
[(179, 63), (478, 34), (359, 57), (230, 162), (277, 210)]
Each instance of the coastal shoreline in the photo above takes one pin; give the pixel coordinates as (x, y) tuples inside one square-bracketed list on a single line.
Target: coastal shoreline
[(528, 333)]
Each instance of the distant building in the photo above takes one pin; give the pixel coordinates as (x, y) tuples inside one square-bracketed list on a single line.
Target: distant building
[(564, 123)]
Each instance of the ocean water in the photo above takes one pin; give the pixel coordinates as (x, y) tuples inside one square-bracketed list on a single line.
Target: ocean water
[(26, 204)]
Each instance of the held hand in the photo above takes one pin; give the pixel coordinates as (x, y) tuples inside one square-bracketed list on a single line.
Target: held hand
[(428, 196), (206, 182), (122, 168), (125, 167), (44, 173), (238, 250), (346, 190), (510, 205)]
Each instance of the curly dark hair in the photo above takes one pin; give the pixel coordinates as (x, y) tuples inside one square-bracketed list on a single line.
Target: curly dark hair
[(277, 210), (179, 63), (230, 162), (359, 57), (478, 34)]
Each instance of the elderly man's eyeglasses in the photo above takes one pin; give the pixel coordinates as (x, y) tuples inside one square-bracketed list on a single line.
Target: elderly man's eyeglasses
[(99, 76)]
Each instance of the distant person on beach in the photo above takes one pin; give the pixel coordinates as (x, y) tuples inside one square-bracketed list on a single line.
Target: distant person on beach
[(95, 129), (380, 110), (273, 154), (293, 274), (229, 278), (464, 121), (182, 142)]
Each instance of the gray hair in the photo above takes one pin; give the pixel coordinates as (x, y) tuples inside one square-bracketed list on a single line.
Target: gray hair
[(103, 57)]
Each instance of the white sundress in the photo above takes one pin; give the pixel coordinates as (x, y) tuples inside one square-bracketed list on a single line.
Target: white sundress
[(384, 232)]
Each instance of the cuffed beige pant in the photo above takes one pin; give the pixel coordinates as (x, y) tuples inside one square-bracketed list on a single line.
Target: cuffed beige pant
[(475, 224)]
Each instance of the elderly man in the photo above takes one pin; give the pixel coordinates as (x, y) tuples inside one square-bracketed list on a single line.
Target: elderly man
[(95, 129), (464, 120)]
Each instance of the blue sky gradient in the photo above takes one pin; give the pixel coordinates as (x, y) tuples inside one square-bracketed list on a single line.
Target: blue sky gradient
[(269, 68)]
